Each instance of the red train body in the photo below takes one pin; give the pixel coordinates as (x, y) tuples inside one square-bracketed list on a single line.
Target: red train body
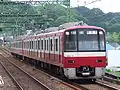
[(78, 52)]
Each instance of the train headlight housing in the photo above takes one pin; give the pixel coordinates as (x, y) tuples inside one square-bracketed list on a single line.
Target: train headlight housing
[(71, 61), (98, 61)]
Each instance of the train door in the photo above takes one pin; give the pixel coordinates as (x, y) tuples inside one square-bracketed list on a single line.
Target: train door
[(30, 47), (56, 51), (27, 47), (51, 42), (35, 48), (42, 49), (60, 49), (39, 48), (22, 48), (33, 51), (46, 49)]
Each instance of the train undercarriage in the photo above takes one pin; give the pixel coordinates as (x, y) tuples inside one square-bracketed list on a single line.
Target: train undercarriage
[(83, 72)]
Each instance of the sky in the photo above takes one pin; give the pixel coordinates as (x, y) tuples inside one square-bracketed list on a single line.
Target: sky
[(105, 5), (113, 58)]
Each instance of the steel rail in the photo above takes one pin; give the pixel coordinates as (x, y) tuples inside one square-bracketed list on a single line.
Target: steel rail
[(62, 82), (16, 82), (43, 86), (108, 86), (70, 84)]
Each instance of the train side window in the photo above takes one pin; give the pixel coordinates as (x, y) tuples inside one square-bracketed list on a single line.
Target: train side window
[(21, 44), (38, 44), (18, 44), (56, 44), (47, 44), (60, 44), (25, 45), (32, 44), (51, 44), (42, 44), (29, 44)]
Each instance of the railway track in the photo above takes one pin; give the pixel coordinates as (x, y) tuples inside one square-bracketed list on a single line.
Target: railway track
[(22, 79), (98, 85), (69, 84), (48, 80), (112, 78)]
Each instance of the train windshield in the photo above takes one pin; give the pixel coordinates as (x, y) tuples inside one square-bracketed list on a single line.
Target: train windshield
[(84, 40)]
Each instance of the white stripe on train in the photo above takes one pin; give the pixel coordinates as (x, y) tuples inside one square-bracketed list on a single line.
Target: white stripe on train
[(84, 54)]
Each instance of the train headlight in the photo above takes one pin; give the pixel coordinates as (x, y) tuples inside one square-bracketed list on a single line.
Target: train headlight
[(98, 60), (71, 61)]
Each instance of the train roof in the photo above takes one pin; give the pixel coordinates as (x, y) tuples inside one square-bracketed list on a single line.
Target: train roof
[(68, 26), (60, 29)]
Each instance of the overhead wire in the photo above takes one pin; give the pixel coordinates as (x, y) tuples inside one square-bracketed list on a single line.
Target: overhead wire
[(92, 3)]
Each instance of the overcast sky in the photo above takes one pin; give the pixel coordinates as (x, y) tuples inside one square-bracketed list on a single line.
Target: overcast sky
[(104, 5)]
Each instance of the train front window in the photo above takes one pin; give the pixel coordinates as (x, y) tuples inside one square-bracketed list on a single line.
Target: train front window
[(71, 41), (84, 40)]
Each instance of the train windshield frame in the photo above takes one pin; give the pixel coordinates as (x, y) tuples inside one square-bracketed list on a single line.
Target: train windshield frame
[(84, 40)]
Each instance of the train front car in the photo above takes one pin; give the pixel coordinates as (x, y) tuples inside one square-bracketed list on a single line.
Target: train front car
[(84, 52)]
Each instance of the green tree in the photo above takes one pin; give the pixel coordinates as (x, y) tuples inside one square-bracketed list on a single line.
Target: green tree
[(114, 28)]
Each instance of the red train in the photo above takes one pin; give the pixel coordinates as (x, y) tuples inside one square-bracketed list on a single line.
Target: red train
[(74, 50)]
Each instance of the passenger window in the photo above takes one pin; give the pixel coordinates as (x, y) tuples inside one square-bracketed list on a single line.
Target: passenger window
[(38, 44), (42, 44), (56, 44), (45, 44), (51, 44), (32, 45)]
